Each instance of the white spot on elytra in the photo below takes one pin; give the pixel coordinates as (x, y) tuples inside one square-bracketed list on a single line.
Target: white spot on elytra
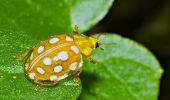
[(53, 78), (75, 49), (58, 69), (47, 61), (73, 66), (53, 40), (61, 55), (62, 77), (31, 75), (40, 70), (40, 49), (68, 38)]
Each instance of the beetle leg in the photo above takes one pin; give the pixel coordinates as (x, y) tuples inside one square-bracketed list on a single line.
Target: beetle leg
[(91, 59), (78, 72), (37, 88), (76, 76), (45, 84), (20, 58), (76, 79), (75, 30)]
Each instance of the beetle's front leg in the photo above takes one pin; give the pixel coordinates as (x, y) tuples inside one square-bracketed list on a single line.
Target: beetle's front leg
[(20, 58), (75, 30), (89, 58)]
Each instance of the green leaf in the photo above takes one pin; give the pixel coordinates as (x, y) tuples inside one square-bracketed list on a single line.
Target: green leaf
[(14, 85), (125, 71), (42, 18)]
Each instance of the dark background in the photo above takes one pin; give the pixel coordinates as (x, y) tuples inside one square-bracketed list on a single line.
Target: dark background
[(147, 22)]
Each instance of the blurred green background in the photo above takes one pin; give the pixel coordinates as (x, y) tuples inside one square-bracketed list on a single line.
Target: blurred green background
[(146, 21)]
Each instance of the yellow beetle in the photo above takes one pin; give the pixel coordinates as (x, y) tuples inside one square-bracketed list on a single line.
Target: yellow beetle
[(57, 58)]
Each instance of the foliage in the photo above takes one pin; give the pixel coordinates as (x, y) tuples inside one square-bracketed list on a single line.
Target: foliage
[(125, 69)]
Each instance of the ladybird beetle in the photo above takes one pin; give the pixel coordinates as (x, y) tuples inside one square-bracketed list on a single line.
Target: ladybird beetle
[(57, 58)]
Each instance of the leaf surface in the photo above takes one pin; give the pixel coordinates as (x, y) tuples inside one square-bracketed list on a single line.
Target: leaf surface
[(43, 18), (13, 83), (125, 71)]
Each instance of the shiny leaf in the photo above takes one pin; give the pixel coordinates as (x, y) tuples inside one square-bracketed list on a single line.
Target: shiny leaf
[(13, 83), (125, 71)]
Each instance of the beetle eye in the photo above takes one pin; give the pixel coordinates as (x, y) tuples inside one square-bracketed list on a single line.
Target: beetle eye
[(97, 45)]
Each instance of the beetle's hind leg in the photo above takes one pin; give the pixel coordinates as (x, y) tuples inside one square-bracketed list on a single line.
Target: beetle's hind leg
[(20, 58), (37, 88)]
